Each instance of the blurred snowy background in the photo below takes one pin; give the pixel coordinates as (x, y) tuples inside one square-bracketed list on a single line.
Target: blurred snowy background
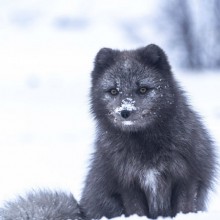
[(47, 49)]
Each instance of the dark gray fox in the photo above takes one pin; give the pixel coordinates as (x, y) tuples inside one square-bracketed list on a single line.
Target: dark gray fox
[(153, 156)]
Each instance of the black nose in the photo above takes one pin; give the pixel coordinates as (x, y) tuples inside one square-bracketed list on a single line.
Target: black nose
[(125, 113)]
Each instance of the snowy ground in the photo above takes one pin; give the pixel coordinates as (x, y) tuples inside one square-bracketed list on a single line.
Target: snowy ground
[(46, 131)]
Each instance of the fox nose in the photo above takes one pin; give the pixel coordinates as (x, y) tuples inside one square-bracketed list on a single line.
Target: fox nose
[(125, 113)]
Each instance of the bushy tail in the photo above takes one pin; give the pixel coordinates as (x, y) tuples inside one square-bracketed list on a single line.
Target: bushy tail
[(42, 205)]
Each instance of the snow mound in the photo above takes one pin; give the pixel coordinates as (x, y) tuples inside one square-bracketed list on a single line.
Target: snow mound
[(180, 216)]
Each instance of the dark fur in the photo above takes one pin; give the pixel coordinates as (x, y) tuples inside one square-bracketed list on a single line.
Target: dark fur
[(167, 143), (42, 205)]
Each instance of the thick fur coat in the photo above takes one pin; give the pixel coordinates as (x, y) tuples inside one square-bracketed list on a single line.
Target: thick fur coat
[(153, 155)]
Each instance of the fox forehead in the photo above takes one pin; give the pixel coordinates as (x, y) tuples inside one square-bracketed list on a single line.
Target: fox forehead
[(128, 73), (127, 65), (127, 82)]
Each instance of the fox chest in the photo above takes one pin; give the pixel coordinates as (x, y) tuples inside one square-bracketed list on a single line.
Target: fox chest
[(144, 175)]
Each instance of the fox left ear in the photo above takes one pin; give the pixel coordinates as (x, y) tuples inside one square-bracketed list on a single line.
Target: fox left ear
[(153, 55), (105, 58)]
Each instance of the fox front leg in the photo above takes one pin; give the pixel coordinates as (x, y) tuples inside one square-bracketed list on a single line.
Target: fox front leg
[(157, 189)]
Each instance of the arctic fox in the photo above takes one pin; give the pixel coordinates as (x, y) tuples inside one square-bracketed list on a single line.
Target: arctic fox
[(153, 157)]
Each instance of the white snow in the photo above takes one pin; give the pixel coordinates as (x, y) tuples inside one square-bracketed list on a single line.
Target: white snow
[(180, 216), (127, 64), (127, 122), (46, 130), (126, 104)]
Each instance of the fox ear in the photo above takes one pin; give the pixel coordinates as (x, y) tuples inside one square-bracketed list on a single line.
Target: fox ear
[(153, 55), (104, 58)]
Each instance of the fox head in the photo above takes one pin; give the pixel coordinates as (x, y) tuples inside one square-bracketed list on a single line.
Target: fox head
[(133, 89)]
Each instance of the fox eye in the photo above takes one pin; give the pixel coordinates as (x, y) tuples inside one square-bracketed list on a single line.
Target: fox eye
[(113, 91), (142, 90)]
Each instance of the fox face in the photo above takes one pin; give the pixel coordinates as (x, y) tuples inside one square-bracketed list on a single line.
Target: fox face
[(129, 92)]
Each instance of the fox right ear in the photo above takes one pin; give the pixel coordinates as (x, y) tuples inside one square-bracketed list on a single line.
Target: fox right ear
[(153, 55), (104, 58)]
